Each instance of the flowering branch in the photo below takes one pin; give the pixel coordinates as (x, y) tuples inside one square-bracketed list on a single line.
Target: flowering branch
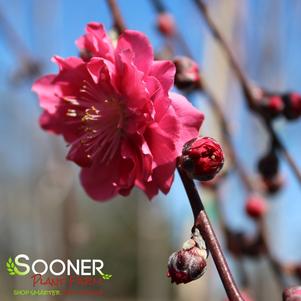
[(203, 224), (226, 132), (249, 94)]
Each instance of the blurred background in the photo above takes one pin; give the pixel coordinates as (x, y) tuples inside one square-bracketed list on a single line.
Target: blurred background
[(45, 213)]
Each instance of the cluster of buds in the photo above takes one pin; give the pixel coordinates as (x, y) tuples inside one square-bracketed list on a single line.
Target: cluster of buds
[(287, 105), (255, 206), (187, 73), (268, 168), (292, 294), (202, 158), (189, 263)]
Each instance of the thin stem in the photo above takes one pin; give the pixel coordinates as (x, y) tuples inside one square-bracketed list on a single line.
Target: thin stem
[(116, 14), (203, 224), (249, 95)]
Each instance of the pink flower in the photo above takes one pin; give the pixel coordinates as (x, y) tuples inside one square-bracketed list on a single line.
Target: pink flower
[(115, 111)]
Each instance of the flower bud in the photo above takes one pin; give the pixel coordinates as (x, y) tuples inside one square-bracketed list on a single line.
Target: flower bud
[(273, 185), (256, 206), (166, 24), (187, 73), (292, 106), (272, 105), (189, 263), (268, 165), (202, 158), (292, 294)]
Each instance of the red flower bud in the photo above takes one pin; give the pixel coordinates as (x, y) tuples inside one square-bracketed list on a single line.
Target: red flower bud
[(292, 294), (256, 206), (272, 105), (292, 106), (188, 264), (273, 185), (166, 24), (187, 73), (268, 165), (202, 158)]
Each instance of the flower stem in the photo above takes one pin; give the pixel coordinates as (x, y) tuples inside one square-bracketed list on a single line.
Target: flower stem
[(116, 14), (252, 101), (203, 224)]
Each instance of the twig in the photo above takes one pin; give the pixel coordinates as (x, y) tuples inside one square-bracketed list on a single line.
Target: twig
[(203, 224), (252, 101), (116, 14)]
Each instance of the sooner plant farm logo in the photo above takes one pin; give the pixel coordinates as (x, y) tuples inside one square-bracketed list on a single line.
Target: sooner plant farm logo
[(58, 276)]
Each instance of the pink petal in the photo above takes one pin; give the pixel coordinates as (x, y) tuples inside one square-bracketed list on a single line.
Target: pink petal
[(46, 91), (190, 119), (162, 179), (98, 181), (130, 81), (96, 41), (164, 71), (140, 46)]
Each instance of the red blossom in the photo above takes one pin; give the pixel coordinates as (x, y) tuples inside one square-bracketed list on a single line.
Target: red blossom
[(115, 111)]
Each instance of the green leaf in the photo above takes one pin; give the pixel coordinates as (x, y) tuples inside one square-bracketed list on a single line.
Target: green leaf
[(10, 260), (12, 265)]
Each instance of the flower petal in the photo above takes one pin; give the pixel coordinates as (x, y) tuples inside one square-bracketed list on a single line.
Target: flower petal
[(164, 71), (96, 41), (140, 46), (189, 118), (46, 91)]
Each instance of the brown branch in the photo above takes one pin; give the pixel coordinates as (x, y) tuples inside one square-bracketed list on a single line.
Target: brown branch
[(251, 100), (203, 224), (116, 14)]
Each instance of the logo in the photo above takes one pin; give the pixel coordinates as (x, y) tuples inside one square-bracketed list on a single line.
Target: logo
[(58, 277)]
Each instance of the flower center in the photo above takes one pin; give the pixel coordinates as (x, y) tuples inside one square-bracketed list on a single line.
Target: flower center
[(101, 122)]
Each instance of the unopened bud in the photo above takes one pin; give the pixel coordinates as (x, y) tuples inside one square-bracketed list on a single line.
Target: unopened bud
[(292, 106), (166, 24), (187, 73), (202, 158), (189, 263), (256, 206)]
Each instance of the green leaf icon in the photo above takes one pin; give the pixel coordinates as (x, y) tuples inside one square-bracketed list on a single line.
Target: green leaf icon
[(105, 276), (12, 269)]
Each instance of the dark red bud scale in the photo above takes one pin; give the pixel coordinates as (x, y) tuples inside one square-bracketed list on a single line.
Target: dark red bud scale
[(202, 158)]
